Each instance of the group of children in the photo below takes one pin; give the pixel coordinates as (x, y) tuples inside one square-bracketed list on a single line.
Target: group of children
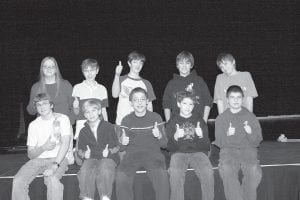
[(109, 153)]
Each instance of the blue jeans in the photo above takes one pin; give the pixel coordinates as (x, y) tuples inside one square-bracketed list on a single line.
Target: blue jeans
[(203, 169), (231, 161), (96, 172), (30, 170)]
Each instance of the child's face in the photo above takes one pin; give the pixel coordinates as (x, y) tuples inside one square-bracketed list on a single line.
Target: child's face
[(92, 113), (235, 100), (44, 107), (227, 67), (139, 103), (136, 66), (90, 73), (186, 107), (184, 66), (49, 68)]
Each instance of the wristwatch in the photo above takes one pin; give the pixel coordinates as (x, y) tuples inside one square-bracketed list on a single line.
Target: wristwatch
[(56, 163)]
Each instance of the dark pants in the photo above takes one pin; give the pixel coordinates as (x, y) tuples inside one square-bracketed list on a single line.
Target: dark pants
[(154, 163)]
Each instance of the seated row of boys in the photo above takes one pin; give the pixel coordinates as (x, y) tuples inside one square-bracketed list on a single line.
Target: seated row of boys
[(238, 134), (187, 134)]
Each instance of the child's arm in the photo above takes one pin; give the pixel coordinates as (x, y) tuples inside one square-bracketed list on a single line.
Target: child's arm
[(116, 83), (150, 106), (30, 107), (220, 105), (167, 112), (206, 113), (254, 135), (249, 103), (104, 114), (163, 140)]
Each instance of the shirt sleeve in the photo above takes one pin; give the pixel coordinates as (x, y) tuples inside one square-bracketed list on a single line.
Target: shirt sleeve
[(65, 125), (219, 132), (218, 90), (31, 138), (167, 96), (251, 89), (150, 91), (207, 99)]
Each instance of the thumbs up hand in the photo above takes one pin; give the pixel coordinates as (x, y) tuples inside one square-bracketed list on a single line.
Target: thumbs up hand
[(125, 138), (105, 152), (179, 133), (119, 69), (247, 127), (198, 130), (156, 131), (231, 130), (87, 153)]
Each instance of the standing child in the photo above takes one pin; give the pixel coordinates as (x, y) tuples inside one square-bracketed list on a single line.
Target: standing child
[(123, 85), (97, 146), (143, 135), (88, 89), (187, 80), (52, 83), (238, 134), (189, 144), (231, 76), (48, 141)]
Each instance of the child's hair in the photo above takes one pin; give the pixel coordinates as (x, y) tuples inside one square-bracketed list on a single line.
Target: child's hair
[(137, 90), (91, 103), (58, 77), (135, 55), (224, 56), (89, 62), (185, 55), (41, 97), (185, 94), (234, 88)]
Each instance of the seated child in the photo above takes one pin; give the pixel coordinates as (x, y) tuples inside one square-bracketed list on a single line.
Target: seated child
[(97, 146), (238, 134), (231, 76), (142, 136), (189, 144), (48, 141)]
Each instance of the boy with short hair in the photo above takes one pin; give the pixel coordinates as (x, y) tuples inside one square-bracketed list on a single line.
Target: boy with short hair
[(190, 81), (48, 142), (238, 134), (142, 136), (231, 76), (97, 147), (123, 85), (88, 89), (189, 144)]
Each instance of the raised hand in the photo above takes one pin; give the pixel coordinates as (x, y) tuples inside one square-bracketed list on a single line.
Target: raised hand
[(105, 151), (198, 130), (156, 131), (179, 133), (124, 138), (87, 153), (119, 68), (247, 128), (231, 130), (49, 144)]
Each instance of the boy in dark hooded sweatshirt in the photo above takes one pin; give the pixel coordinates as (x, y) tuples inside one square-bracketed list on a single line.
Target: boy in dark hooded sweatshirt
[(189, 144), (238, 134), (187, 80)]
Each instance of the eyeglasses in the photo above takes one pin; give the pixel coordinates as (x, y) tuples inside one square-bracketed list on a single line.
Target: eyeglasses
[(139, 100), (40, 104), (49, 67)]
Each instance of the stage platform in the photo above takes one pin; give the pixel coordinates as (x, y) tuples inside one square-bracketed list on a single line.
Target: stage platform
[(280, 163)]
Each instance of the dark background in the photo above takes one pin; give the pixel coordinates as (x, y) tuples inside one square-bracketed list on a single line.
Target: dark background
[(262, 35)]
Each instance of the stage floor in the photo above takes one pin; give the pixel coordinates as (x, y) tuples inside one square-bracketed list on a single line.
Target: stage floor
[(280, 163)]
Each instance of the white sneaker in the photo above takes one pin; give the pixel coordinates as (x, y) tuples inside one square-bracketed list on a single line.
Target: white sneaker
[(86, 198), (105, 198)]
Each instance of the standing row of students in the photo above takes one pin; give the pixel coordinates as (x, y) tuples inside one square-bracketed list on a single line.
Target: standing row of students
[(141, 133)]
